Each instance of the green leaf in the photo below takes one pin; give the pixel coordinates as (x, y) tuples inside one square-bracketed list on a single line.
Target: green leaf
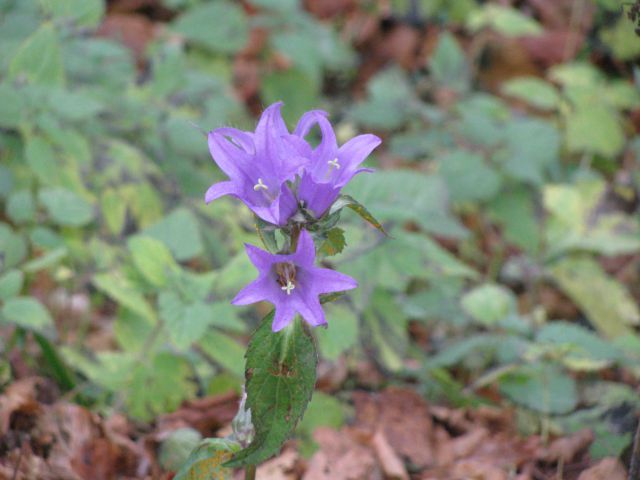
[(385, 328), (323, 411), (622, 39), (45, 261), (41, 158), (341, 334), (514, 211), (298, 90), (468, 177), (280, 376), (13, 107), (13, 247), (206, 461), (220, 26), (83, 12), (121, 290), (180, 232), (448, 65), (10, 284), (533, 148), (39, 58), (224, 350), (21, 207), (114, 210), (152, 259), (27, 312), (505, 20), (534, 91), (186, 323), (489, 303), (65, 207), (333, 244), (175, 449), (606, 303), (541, 387), (595, 129), (353, 204), (159, 386)]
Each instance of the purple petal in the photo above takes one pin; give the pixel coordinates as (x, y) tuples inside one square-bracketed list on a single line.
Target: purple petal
[(317, 196), (305, 254), (220, 189), (328, 146), (227, 155), (283, 316), (352, 154), (240, 138), (325, 280), (308, 305), (261, 259), (270, 128), (258, 290)]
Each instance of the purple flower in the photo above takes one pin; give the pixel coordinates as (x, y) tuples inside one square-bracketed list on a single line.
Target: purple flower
[(258, 166), (330, 167), (292, 283)]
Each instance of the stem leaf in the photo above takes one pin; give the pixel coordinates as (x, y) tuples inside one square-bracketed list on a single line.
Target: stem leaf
[(280, 377)]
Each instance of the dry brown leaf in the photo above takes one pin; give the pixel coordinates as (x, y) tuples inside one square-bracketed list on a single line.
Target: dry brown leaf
[(404, 418), (340, 457), (477, 470), (606, 469), (567, 448), (391, 464), (280, 467)]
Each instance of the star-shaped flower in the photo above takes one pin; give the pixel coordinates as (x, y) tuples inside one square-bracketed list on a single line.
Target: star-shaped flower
[(330, 167), (258, 166), (292, 283)]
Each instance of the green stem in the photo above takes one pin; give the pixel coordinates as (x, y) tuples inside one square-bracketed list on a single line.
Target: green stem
[(250, 472)]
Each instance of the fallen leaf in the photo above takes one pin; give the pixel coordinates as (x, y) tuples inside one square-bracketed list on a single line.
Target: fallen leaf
[(606, 469), (391, 464)]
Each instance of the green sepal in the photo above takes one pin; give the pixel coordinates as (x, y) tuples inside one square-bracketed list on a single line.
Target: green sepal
[(280, 376), (353, 204), (267, 234)]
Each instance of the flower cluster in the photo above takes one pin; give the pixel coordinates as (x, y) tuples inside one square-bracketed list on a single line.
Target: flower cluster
[(278, 174)]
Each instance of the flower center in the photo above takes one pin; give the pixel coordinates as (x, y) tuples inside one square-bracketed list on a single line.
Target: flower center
[(260, 186), (333, 164), (286, 276)]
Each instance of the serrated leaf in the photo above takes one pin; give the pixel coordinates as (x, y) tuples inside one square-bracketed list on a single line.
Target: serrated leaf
[(606, 303), (10, 284), (21, 207), (39, 58), (224, 350), (333, 244), (280, 377), (341, 334), (350, 202), (159, 386), (206, 461), (47, 260), (121, 290), (65, 207), (489, 303), (152, 259), (180, 232), (114, 210), (534, 91), (27, 312), (541, 387)]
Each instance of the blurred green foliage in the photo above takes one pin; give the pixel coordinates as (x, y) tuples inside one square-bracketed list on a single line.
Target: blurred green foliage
[(103, 168)]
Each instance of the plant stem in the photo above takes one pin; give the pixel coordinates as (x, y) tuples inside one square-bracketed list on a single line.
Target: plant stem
[(250, 472)]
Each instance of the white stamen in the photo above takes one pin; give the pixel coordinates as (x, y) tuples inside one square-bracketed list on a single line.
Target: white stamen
[(288, 287), (333, 164), (260, 185)]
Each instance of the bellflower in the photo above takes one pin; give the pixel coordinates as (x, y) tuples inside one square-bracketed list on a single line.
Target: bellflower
[(258, 166), (330, 167), (292, 283)]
